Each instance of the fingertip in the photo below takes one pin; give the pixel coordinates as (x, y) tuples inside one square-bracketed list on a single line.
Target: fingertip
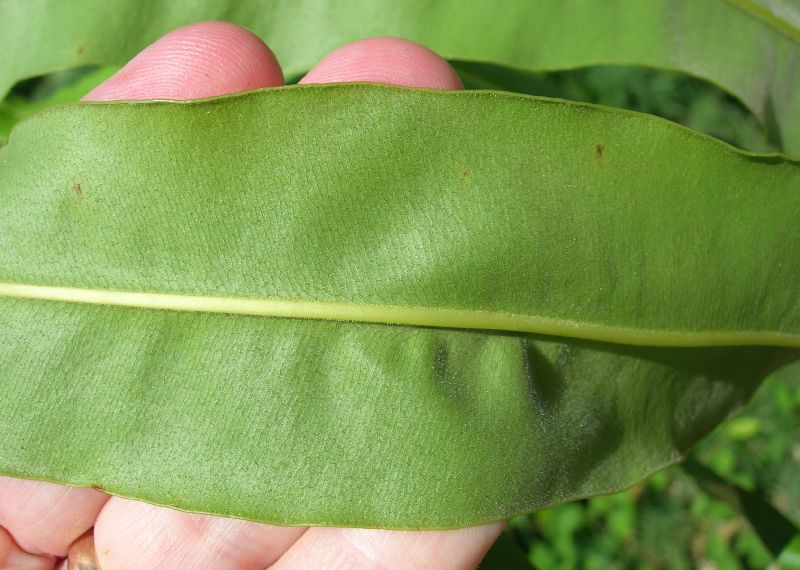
[(44, 518), (12, 556), (395, 61), (325, 547), (199, 60), (131, 534)]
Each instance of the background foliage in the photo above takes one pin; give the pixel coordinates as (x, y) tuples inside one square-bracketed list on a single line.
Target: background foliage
[(669, 520)]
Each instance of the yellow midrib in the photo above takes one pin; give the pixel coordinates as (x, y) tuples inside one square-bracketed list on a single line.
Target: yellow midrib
[(399, 315)]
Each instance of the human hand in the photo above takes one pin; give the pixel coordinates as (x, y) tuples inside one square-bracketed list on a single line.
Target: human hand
[(204, 60)]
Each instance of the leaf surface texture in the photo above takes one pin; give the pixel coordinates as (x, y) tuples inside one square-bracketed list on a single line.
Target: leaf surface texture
[(666, 261)]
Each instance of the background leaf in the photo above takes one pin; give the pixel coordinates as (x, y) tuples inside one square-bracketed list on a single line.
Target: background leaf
[(774, 529), (790, 558), (505, 555)]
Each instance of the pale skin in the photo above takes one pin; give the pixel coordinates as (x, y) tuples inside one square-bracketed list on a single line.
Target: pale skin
[(39, 521)]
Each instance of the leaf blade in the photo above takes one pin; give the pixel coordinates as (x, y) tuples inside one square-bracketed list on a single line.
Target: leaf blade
[(323, 422), (299, 422)]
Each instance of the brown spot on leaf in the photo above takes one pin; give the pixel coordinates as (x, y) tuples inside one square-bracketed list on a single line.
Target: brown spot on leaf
[(599, 150), (78, 190), (80, 50)]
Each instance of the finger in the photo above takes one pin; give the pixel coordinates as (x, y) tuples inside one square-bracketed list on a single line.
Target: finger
[(13, 558), (385, 60), (44, 518), (130, 534), (199, 60), (360, 548)]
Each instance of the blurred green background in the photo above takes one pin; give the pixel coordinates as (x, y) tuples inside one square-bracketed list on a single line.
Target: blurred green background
[(683, 517)]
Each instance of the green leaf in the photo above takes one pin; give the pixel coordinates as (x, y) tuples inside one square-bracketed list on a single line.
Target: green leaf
[(775, 530), (743, 428), (151, 255), (737, 44), (505, 554), (790, 557)]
